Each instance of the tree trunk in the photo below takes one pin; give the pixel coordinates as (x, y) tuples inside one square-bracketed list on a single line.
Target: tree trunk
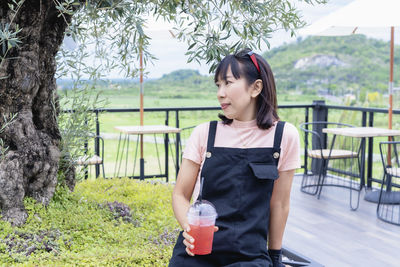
[(31, 164)]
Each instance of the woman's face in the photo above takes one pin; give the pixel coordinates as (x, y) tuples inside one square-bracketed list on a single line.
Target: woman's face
[(237, 98)]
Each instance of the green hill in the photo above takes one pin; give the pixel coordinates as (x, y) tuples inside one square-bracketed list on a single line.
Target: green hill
[(316, 65), (182, 84), (336, 65)]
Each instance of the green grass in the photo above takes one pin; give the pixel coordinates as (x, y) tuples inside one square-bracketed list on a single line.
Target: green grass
[(152, 165), (129, 98), (126, 98), (77, 231)]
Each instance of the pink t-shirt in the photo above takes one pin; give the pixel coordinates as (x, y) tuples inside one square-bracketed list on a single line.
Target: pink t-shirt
[(243, 134)]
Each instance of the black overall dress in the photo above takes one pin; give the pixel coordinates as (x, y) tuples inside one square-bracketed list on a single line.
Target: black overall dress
[(239, 183)]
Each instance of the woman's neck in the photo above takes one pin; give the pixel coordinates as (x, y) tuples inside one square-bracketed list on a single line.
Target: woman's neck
[(244, 124), (250, 113)]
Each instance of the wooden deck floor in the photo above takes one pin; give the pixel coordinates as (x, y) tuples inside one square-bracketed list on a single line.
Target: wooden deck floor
[(327, 231)]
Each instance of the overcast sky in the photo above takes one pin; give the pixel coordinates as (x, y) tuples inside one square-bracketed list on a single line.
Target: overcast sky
[(171, 53)]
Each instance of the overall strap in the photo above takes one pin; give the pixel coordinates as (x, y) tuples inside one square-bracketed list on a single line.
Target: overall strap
[(211, 135), (278, 135)]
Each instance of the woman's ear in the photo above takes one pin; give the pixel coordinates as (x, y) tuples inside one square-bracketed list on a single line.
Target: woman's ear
[(257, 87)]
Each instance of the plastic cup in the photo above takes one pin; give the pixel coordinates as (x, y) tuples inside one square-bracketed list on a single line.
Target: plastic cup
[(201, 217)]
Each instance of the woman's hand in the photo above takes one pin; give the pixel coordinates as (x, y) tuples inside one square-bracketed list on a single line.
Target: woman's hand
[(188, 240)]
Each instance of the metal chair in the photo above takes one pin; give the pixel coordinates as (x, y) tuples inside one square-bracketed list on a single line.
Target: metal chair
[(334, 165), (388, 209), (97, 159)]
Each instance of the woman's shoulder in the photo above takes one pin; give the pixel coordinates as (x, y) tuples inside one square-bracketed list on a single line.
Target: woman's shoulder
[(204, 126), (290, 130), (290, 126), (201, 130)]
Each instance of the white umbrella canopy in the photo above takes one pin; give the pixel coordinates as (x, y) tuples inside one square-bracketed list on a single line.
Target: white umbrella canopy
[(361, 15), (357, 14)]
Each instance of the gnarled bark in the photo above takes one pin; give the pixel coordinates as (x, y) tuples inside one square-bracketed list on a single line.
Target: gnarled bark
[(30, 167)]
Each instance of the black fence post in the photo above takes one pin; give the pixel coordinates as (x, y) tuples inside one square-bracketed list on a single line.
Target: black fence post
[(166, 144), (97, 143), (320, 113), (86, 146), (177, 142), (306, 119), (370, 152)]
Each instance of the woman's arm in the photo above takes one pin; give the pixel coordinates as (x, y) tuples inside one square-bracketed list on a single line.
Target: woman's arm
[(181, 195), (183, 190), (181, 198), (280, 202)]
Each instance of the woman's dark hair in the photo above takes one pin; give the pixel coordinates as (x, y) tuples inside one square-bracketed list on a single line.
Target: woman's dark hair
[(242, 65)]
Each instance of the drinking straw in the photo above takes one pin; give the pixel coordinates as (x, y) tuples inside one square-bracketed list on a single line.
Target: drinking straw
[(201, 192), (201, 189)]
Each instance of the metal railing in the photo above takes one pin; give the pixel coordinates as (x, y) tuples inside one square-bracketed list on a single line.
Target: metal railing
[(367, 120), (320, 113)]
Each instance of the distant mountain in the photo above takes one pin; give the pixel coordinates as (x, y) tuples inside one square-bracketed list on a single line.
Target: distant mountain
[(316, 65), (180, 75), (335, 65), (183, 83)]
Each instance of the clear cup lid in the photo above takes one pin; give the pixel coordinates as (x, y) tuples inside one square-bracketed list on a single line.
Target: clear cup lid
[(202, 208)]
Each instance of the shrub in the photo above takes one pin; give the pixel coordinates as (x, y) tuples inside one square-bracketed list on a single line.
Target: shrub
[(115, 222)]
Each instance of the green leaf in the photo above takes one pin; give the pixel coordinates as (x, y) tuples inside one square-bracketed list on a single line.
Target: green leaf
[(191, 46)]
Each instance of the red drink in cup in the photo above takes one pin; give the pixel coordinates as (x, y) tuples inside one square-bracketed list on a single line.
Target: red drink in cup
[(201, 217), (203, 237)]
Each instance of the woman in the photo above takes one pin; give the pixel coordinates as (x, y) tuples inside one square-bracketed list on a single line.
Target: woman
[(248, 160)]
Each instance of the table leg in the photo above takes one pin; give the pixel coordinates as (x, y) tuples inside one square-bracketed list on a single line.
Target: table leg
[(136, 150), (388, 196), (141, 168), (126, 157), (116, 160), (371, 196), (362, 163), (158, 154)]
